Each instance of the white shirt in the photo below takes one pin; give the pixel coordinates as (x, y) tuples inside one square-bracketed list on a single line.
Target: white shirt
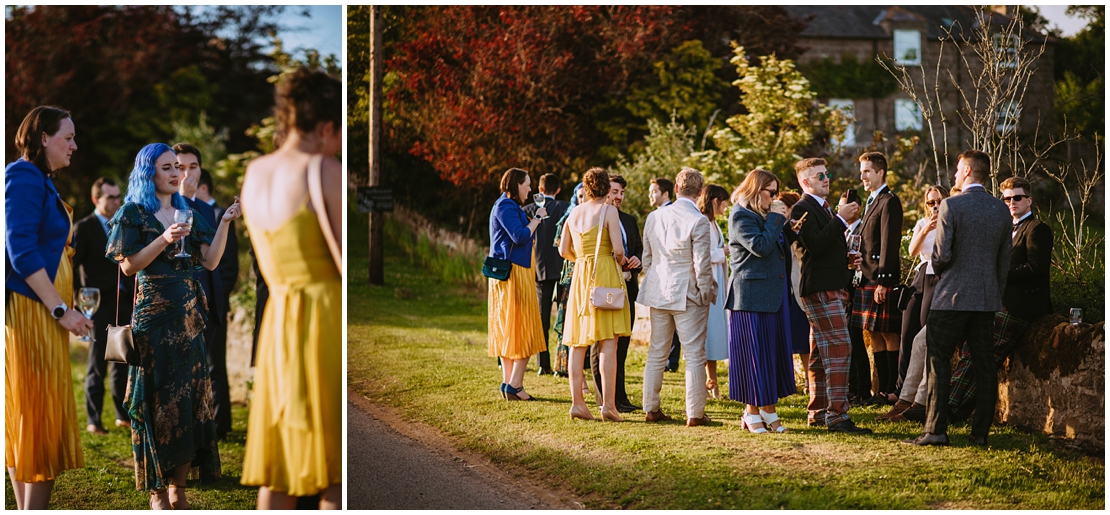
[(876, 193), (927, 245), (823, 204), (1026, 215)]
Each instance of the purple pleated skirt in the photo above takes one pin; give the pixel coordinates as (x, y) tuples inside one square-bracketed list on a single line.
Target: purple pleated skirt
[(760, 366)]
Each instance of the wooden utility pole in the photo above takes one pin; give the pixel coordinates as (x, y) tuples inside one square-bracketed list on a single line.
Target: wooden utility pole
[(377, 218)]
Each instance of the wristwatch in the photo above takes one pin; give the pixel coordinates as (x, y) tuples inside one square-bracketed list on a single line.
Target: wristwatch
[(59, 311), (537, 218)]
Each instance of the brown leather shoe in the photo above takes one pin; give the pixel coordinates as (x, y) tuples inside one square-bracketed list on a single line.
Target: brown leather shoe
[(704, 420), (897, 409), (656, 416)]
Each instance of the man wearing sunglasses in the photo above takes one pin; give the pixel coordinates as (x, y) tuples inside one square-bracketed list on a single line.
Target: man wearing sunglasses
[(971, 257), (1027, 292), (824, 257)]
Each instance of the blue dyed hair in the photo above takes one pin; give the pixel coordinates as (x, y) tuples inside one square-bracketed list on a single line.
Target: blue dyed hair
[(140, 188)]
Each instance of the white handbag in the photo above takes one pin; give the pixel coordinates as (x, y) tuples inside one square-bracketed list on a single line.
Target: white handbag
[(603, 297)]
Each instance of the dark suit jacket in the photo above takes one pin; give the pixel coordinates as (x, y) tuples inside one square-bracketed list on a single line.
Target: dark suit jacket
[(549, 264), (824, 251), (91, 269), (971, 256), (228, 271), (210, 281), (1027, 289), (881, 239), (635, 248)]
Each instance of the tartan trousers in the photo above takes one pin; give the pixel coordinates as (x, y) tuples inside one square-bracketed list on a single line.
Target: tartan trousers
[(830, 351), (1007, 333), (945, 329)]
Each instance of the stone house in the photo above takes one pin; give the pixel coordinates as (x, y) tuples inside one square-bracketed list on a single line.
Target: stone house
[(911, 35)]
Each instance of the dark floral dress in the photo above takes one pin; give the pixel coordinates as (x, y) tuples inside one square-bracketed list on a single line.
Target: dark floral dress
[(169, 396)]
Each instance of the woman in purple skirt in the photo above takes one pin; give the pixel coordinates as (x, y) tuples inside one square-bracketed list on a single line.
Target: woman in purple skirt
[(760, 369)]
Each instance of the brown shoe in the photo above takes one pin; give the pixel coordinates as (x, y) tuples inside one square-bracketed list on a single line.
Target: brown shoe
[(897, 409), (123, 423), (704, 420), (656, 416), (95, 429)]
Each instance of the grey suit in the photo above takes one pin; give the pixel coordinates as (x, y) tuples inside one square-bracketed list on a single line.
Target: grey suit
[(971, 258)]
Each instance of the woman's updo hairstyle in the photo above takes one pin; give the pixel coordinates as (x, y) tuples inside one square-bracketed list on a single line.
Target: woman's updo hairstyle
[(595, 183), (305, 99), (28, 139)]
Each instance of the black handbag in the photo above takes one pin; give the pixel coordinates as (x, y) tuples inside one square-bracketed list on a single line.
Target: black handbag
[(905, 293), (120, 347), (497, 268)]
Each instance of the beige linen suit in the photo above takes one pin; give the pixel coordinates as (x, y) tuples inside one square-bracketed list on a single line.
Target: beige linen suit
[(678, 287)]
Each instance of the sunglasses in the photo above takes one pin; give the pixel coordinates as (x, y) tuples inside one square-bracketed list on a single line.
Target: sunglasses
[(774, 193), (1015, 198), (932, 203), (823, 175)]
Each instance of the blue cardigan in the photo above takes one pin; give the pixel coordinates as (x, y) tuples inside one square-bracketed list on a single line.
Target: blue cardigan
[(509, 235), (37, 226), (758, 261)]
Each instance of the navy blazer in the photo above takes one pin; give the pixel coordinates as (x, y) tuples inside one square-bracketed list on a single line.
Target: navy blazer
[(509, 235), (549, 263), (758, 261), (210, 280), (37, 226)]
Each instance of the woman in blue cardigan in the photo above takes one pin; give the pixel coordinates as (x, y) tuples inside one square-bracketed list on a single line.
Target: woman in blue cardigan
[(515, 332), (760, 367), (41, 418)]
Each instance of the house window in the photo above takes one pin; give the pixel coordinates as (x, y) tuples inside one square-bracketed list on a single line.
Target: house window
[(1005, 46), (907, 47), (848, 107), (907, 117), (1008, 115)]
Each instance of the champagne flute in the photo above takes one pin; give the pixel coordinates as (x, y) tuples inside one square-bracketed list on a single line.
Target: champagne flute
[(540, 200), (88, 300), (853, 250), (183, 216)]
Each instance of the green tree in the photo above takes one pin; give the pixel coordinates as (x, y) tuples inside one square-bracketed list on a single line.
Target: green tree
[(666, 149), (1080, 71)]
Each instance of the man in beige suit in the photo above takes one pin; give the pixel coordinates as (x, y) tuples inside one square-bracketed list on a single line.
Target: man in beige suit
[(678, 287)]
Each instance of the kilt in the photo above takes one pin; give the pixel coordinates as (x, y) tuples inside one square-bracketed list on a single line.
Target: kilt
[(870, 316), (1008, 330)]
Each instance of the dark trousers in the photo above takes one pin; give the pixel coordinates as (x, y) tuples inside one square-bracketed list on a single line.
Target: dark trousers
[(859, 371), (914, 318), (672, 358), (215, 342), (946, 330), (94, 379), (621, 396), (546, 292)]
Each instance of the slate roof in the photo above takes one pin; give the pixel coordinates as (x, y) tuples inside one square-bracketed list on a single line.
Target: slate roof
[(862, 21)]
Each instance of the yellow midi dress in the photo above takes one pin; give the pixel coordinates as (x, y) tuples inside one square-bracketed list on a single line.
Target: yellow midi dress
[(295, 429), (42, 437), (585, 324), (514, 315)]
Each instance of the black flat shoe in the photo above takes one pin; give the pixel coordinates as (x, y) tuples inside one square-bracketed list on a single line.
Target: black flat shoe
[(928, 439), (849, 427), (627, 408), (979, 441)]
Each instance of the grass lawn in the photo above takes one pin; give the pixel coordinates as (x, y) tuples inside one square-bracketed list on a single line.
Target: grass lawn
[(108, 480), (423, 351)]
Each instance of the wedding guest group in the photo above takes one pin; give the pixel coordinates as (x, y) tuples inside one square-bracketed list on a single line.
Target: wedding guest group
[(781, 280)]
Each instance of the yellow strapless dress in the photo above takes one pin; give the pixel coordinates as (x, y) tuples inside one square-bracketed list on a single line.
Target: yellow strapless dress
[(295, 428), (585, 324)]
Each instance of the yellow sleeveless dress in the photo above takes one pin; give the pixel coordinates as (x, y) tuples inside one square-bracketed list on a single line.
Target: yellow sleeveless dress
[(42, 437), (585, 324), (295, 429)]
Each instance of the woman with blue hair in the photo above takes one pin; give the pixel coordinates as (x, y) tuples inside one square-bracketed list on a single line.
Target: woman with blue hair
[(169, 397)]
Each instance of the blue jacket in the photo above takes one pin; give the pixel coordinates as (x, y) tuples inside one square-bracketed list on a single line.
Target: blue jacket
[(758, 261), (37, 226), (509, 235)]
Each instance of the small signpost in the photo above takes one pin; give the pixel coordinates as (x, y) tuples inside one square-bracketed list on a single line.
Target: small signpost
[(375, 199)]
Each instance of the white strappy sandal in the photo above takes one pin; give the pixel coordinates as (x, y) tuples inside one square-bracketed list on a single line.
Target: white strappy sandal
[(751, 420), (770, 418)]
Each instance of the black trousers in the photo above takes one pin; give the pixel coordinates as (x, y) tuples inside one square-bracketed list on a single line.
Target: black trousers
[(96, 372), (215, 342), (621, 396), (546, 292), (914, 318), (859, 368), (946, 330), (672, 358)]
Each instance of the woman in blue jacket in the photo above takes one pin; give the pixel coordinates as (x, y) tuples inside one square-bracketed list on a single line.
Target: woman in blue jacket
[(515, 332), (760, 368), (41, 415)]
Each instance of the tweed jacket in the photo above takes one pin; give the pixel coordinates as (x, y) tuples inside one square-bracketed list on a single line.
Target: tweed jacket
[(758, 261), (881, 239), (677, 271), (1027, 289), (972, 252)]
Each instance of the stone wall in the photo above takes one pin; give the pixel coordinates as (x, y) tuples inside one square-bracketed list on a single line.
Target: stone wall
[(1055, 382), (240, 328)]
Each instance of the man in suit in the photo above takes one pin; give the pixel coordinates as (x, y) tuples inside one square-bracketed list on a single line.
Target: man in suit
[(678, 287), (215, 334), (824, 300), (971, 258), (549, 264), (660, 194), (90, 237), (873, 310), (1027, 294), (633, 248)]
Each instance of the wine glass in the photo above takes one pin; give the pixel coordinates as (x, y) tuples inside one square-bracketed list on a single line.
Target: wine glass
[(539, 199), (88, 300), (853, 249), (183, 216)]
